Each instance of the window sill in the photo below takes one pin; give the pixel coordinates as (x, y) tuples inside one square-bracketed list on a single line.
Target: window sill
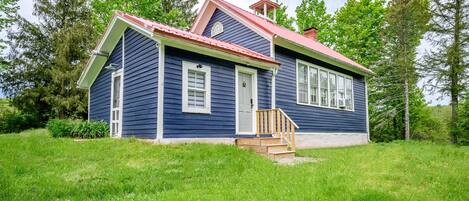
[(197, 111), (326, 107)]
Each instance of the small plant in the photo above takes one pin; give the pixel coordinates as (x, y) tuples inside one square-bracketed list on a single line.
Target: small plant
[(78, 129)]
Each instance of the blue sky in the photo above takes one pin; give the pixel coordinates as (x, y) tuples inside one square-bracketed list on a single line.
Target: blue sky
[(26, 9)]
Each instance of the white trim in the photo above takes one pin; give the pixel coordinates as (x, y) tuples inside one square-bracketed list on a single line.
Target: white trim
[(298, 61), (195, 28), (190, 46), (217, 29), (160, 108), (274, 74), (366, 107), (253, 72), (298, 48), (186, 66), (89, 103), (118, 73)]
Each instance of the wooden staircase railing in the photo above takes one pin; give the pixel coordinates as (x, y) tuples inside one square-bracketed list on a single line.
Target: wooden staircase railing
[(277, 123)]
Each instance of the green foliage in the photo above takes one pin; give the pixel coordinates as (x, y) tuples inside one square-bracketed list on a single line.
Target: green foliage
[(282, 17), (8, 9), (312, 13), (446, 64), (77, 129), (124, 169), (176, 13), (12, 121), (60, 128), (404, 25), (357, 29), (463, 122)]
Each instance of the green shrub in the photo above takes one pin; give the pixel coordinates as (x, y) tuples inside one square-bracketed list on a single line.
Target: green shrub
[(12, 121), (60, 128), (78, 129), (91, 129)]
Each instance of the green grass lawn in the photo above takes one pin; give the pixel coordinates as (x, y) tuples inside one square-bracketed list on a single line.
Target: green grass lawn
[(34, 166)]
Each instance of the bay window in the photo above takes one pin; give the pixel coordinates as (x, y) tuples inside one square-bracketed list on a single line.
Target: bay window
[(317, 86)]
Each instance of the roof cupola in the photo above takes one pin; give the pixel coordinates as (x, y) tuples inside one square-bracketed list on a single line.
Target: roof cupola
[(263, 7)]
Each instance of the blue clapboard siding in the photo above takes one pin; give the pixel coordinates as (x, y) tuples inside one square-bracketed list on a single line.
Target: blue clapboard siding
[(316, 119), (237, 33), (100, 90), (140, 86), (264, 84), (221, 122)]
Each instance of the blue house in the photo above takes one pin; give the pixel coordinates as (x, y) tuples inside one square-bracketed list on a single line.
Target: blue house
[(234, 74)]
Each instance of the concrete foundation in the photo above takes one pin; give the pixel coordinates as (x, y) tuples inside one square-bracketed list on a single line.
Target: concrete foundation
[(322, 140)]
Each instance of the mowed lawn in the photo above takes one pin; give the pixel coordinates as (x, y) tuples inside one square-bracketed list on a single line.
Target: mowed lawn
[(34, 166)]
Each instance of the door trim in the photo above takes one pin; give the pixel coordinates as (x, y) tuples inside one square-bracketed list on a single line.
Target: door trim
[(121, 101), (252, 72)]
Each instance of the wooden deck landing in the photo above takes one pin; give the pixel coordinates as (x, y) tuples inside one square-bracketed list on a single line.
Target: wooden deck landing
[(271, 147)]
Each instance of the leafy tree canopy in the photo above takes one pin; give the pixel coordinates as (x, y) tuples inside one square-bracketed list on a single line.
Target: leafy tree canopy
[(176, 13), (312, 13)]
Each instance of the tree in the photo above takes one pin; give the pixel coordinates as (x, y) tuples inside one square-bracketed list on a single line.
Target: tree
[(404, 25), (176, 13), (447, 64), (8, 9), (312, 13), (46, 59), (282, 17), (356, 31)]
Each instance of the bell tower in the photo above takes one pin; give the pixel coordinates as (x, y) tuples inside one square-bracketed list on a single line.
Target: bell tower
[(263, 7)]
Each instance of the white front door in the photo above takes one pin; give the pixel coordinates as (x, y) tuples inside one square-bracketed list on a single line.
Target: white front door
[(116, 104), (246, 100)]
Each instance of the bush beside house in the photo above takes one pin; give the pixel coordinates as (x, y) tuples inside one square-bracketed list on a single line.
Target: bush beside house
[(78, 128)]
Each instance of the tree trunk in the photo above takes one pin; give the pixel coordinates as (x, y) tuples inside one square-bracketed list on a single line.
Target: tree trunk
[(406, 110), (454, 66)]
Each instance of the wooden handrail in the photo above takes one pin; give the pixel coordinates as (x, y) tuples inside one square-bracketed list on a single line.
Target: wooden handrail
[(278, 124)]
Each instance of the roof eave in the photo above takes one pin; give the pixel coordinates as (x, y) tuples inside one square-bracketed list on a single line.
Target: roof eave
[(321, 56)]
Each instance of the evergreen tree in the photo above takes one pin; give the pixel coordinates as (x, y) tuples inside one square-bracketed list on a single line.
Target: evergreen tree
[(46, 59), (312, 13), (282, 17), (394, 87), (447, 64), (8, 9), (176, 13)]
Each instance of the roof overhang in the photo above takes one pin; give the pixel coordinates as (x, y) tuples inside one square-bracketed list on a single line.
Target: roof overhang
[(320, 56), (119, 24)]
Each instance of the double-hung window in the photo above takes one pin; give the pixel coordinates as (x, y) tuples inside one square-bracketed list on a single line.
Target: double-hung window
[(195, 88), (322, 87)]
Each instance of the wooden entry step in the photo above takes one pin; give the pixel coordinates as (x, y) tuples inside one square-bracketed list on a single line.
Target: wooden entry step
[(267, 146)]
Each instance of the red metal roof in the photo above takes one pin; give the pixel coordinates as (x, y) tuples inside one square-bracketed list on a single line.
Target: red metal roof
[(199, 39), (276, 30)]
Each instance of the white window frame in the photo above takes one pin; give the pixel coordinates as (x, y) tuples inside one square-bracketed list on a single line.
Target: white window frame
[(298, 61), (186, 66), (217, 28)]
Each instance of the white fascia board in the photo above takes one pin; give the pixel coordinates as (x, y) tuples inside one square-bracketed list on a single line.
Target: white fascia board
[(190, 46), (317, 55), (111, 37)]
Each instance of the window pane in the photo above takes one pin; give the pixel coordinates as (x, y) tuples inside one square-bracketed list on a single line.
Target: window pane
[(196, 79), (324, 89), (348, 94), (313, 83), (196, 98), (116, 92), (302, 83), (333, 89), (341, 90)]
